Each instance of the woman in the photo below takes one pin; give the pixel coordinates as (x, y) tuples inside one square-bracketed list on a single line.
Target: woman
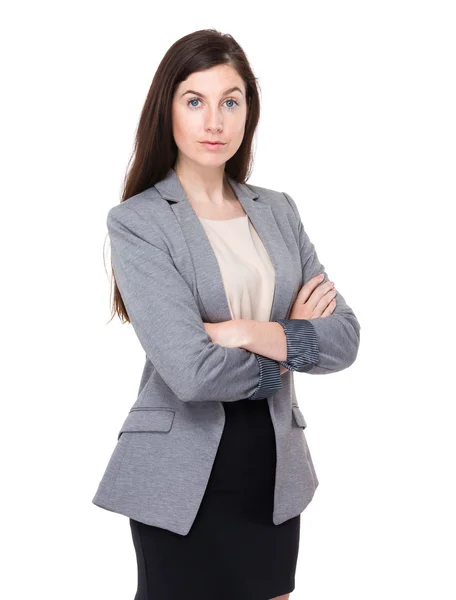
[(212, 465)]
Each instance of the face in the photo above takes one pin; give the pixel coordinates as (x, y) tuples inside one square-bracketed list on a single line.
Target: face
[(205, 107)]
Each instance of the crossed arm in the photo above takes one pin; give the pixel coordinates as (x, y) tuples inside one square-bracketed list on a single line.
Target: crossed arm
[(292, 343), (320, 345), (166, 318), (266, 338)]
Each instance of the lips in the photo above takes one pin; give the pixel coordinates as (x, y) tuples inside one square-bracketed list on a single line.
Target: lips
[(213, 146)]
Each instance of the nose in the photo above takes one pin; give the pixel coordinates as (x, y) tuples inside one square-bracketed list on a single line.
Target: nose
[(213, 120)]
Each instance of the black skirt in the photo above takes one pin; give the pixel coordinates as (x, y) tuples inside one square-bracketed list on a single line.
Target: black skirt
[(233, 549)]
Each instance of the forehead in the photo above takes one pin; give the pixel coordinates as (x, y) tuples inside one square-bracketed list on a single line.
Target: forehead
[(214, 80)]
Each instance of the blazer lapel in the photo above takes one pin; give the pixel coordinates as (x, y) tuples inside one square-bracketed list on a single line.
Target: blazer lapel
[(207, 271)]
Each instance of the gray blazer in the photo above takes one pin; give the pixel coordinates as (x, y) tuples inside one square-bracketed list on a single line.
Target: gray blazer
[(170, 282)]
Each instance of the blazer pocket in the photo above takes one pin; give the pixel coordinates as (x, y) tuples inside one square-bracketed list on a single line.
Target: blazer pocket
[(298, 416), (148, 419)]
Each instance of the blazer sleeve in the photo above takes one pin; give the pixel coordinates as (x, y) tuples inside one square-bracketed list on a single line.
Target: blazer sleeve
[(324, 344), (166, 319)]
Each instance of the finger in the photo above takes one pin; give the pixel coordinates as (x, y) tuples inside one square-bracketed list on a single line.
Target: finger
[(318, 300), (329, 309), (309, 287), (324, 301)]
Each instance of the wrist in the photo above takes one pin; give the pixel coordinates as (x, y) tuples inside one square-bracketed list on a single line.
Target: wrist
[(244, 329)]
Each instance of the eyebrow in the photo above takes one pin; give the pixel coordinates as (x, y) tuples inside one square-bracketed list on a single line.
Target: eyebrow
[(228, 91)]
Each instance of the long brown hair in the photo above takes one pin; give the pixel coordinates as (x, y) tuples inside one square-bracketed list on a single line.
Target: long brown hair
[(155, 150)]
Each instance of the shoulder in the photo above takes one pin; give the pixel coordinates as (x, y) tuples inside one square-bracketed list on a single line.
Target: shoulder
[(267, 195), (151, 209), (280, 202), (140, 217), (144, 204)]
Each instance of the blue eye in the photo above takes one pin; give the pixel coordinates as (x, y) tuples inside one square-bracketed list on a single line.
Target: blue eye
[(232, 100), (199, 100)]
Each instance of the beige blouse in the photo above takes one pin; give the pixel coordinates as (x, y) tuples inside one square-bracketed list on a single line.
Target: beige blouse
[(247, 271)]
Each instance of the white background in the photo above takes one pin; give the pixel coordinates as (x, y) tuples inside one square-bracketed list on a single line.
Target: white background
[(358, 126)]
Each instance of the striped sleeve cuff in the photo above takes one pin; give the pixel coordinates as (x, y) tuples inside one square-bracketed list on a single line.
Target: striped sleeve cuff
[(302, 344), (270, 380)]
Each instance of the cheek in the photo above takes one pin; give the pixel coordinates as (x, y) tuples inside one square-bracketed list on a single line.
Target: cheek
[(237, 125), (237, 133), (183, 127)]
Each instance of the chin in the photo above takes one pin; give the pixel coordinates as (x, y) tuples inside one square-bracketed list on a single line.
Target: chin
[(211, 161)]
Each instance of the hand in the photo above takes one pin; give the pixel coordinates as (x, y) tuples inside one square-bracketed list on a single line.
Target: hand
[(315, 299), (226, 333)]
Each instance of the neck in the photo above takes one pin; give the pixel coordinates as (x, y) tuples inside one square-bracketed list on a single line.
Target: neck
[(205, 185)]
